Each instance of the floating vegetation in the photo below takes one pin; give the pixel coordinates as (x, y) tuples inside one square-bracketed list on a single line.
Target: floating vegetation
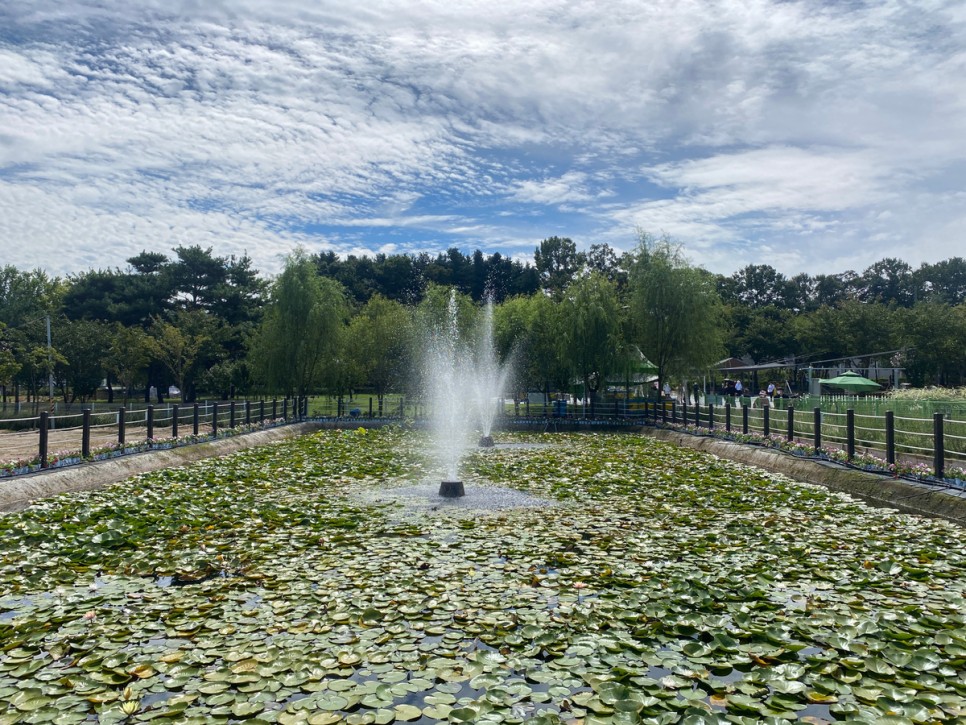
[(663, 586)]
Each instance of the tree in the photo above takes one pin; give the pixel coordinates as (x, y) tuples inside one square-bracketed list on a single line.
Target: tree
[(381, 342), (936, 332), (301, 331), (129, 353), (888, 280), (178, 345), (592, 315), (676, 312), (84, 344), (557, 263), (760, 285)]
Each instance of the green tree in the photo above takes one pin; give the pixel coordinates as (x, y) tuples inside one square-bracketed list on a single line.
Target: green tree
[(84, 346), (178, 345), (675, 311), (129, 353), (301, 332), (557, 262), (379, 344), (593, 324)]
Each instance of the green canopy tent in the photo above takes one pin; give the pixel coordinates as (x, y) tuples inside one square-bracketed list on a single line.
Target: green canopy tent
[(853, 383)]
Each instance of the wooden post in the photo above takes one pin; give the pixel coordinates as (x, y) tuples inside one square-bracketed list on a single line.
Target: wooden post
[(248, 412), (150, 422), (174, 420), (44, 423), (728, 416), (274, 408), (710, 416), (86, 434), (285, 409), (214, 418), (791, 423), (850, 433), (890, 436), (817, 425), (194, 419), (231, 414), (938, 446), (766, 420), (744, 419), (261, 411), (121, 416)]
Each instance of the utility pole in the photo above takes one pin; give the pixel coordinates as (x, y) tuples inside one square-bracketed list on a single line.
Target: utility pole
[(50, 367)]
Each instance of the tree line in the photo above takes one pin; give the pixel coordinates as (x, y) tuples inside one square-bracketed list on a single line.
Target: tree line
[(213, 326)]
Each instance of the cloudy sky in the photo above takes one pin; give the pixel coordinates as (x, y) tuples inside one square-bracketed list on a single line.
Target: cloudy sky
[(813, 136)]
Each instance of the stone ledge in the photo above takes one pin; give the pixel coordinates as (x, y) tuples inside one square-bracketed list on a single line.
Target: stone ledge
[(16, 493), (874, 489)]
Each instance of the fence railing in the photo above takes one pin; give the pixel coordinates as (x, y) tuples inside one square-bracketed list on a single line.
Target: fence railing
[(87, 435), (940, 440), (896, 440)]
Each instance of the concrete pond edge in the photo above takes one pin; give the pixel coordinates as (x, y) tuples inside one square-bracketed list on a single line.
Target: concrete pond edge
[(907, 496), (18, 492), (874, 489)]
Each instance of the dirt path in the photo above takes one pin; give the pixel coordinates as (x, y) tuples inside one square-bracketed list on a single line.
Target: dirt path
[(26, 444)]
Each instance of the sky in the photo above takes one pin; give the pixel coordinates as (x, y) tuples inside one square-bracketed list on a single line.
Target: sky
[(812, 136)]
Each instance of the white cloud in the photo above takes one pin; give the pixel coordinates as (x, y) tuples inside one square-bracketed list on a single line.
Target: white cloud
[(764, 125)]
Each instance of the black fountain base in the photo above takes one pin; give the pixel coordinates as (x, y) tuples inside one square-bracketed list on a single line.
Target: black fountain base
[(487, 442), (451, 489)]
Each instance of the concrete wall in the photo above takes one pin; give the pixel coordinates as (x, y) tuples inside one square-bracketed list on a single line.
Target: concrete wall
[(874, 489)]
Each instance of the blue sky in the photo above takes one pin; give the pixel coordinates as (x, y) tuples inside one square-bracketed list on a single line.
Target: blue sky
[(812, 136)]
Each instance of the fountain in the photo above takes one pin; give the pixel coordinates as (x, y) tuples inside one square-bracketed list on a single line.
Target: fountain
[(454, 373), (489, 377)]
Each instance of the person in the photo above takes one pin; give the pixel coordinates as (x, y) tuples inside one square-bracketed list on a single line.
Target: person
[(667, 389), (771, 391), (738, 388)]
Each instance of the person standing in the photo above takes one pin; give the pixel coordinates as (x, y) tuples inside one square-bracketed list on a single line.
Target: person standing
[(739, 388), (771, 391)]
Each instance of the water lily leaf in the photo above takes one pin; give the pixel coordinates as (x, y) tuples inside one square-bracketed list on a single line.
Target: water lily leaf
[(406, 713)]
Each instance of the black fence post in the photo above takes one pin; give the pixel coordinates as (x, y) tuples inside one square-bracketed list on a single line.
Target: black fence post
[(710, 416), (697, 415), (684, 411), (214, 418), (766, 420), (174, 420), (261, 410), (850, 433), (370, 407), (86, 434), (285, 409), (44, 423), (121, 420), (150, 422), (744, 419), (791, 423), (674, 411), (890, 435), (248, 412), (274, 408), (231, 414), (194, 419), (938, 447), (817, 428), (305, 406), (664, 411), (728, 416)]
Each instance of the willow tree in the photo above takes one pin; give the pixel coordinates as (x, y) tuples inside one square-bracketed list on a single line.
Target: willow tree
[(676, 315), (301, 333), (592, 323)]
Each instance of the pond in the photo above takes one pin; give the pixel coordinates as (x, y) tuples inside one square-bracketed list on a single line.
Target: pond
[(603, 579)]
